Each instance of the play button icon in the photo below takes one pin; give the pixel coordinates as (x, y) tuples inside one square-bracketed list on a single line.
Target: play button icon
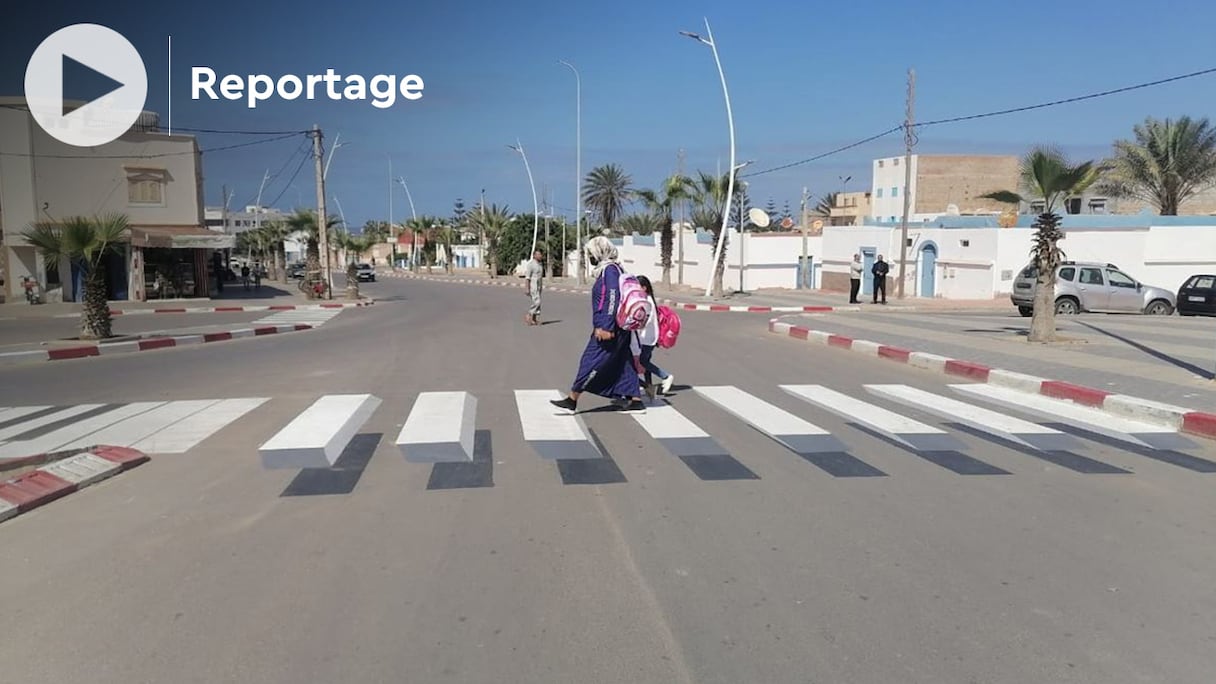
[(86, 85)]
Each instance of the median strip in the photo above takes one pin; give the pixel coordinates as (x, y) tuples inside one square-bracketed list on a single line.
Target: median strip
[(60, 477)]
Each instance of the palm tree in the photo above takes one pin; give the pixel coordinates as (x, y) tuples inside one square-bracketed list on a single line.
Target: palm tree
[(643, 223), (1047, 174), (491, 221), (418, 228), (305, 221), (1168, 163), (607, 192), (709, 199), (88, 242), (675, 189), (824, 206)]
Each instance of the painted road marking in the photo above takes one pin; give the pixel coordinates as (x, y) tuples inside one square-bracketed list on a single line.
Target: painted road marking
[(61, 437), (440, 428), (1084, 417), (692, 445), (1006, 427), (14, 415), (317, 437), (808, 440), (184, 434), (23, 426), (131, 430), (552, 434), (314, 317), (911, 433), (83, 470)]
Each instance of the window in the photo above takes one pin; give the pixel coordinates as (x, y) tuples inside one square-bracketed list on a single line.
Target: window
[(1118, 279), (1038, 206), (880, 163), (1068, 273), (1091, 276), (1073, 205), (895, 161), (879, 193), (1201, 283), (1030, 271), (895, 192), (1097, 206), (146, 186)]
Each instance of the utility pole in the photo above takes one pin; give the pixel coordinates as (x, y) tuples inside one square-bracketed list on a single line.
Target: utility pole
[(680, 231), (804, 271), (322, 227), (481, 229), (224, 215), (909, 141)]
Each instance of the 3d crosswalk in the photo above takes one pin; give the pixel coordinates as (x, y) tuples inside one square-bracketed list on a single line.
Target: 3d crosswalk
[(440, 429)]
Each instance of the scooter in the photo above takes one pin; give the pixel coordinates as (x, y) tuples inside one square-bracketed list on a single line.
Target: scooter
[(33, 294)]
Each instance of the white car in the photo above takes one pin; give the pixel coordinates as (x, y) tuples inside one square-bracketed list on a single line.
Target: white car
[(365, 272)]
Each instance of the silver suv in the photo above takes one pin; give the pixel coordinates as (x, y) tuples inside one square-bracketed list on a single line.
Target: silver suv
[(1091, 286)]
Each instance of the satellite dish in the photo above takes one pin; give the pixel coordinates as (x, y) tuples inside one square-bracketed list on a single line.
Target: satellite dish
[(758, 217), (788, 222), (952, 210)]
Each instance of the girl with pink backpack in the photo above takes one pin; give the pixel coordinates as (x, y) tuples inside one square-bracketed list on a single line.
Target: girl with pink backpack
[(651, 336)]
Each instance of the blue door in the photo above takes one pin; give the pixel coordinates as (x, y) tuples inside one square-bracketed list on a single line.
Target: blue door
[(867, 263), (928, 270)]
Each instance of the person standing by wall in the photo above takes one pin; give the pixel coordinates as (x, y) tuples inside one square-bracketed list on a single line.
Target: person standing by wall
[(534, 273), (880, 270), (855, 279)]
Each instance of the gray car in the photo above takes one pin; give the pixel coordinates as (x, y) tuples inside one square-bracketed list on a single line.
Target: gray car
[(1091, 286)]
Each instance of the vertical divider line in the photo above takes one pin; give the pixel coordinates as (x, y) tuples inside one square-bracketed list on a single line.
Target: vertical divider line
[(169, 75)]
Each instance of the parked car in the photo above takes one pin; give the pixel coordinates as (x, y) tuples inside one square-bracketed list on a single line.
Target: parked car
[(296, 271), (365, 273), (1197, 296), (1092, 286)]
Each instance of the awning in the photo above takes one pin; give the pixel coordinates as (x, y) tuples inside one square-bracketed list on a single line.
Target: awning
[(180, 237)]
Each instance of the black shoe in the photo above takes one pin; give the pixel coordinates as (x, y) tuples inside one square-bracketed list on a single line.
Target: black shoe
[(566, 403), (635, 405)]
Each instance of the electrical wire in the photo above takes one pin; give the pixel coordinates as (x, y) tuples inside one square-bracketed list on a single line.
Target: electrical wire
[(985, 115), (289, 182), (148, 156)]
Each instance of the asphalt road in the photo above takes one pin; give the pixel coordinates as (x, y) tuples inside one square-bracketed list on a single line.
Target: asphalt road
[(205, 567), (22, 332)]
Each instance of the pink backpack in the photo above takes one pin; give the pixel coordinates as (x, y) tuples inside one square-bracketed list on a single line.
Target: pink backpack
[(669, 327), (632, 312)]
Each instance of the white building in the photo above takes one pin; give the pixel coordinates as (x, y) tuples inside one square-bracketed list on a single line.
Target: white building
[(153, 178)]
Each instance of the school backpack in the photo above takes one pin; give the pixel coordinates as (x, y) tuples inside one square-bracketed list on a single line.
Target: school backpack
[(669, 327), (632, 313)]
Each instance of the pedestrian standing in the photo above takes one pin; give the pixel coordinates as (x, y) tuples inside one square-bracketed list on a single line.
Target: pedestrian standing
[(534, 272), (645, 340), (606, 367), (880, 271), (854, 279)]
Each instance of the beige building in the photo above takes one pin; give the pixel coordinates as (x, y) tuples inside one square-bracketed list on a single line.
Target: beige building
[(153, 178), (850, 208), (941, 184)]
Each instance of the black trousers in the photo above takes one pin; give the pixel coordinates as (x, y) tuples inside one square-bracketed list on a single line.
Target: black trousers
[(880, 286), (854, 288)]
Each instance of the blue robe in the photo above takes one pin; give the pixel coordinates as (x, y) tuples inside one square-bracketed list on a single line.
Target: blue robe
[(606, 368)]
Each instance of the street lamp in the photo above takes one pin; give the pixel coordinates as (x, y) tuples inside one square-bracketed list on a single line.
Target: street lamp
[(730, 120), (518, 147), (578, 172), (332, 150), (413, 238)]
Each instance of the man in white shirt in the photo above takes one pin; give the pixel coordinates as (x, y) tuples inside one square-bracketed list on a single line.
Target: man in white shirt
[(534, 272), (855, 270)]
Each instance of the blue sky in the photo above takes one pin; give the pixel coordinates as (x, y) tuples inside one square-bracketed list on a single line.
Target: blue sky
[(804, 78)]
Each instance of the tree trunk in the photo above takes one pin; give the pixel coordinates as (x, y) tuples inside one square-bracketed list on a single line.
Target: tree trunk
[(95, 316), (665, 245), (1046, 259), (352, 281), (720, 268)]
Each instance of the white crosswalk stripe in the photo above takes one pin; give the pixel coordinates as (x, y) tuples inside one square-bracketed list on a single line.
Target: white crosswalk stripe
[(439, 428), (313, 317)]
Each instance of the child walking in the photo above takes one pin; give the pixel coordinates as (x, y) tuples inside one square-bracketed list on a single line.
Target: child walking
[(644, 342)]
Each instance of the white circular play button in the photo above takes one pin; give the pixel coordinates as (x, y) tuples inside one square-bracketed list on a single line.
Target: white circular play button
[(101, 56)]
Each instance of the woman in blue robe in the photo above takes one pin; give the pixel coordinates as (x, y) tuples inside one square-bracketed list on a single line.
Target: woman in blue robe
[(606, 367)]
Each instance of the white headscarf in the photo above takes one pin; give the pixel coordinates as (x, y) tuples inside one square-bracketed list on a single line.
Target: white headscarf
[(603, 252)]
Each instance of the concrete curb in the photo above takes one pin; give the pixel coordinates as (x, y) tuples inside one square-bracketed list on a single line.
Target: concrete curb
[(147, 344), (715, 308), (232, 309), (1182, 419), (62, 477)]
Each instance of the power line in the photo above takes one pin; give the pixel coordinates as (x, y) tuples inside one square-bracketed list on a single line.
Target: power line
[(1070, 100), (972, 117), (147, 156), (289, 182)]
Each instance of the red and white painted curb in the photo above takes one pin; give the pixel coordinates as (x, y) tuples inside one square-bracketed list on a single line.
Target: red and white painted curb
[(65, 476), (1177, 417), (232, 309), (148, 344), (683, 306)]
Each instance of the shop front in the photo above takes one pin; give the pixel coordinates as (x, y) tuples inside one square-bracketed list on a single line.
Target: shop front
[(174, 262)]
